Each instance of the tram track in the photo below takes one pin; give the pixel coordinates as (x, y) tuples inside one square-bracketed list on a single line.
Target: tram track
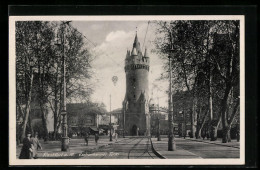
[(130, 148)]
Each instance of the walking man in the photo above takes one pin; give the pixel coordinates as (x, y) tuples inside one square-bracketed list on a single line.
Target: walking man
[(96, 138), (86, 138)]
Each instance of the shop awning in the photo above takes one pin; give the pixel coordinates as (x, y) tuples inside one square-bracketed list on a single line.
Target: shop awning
[(94, 129)]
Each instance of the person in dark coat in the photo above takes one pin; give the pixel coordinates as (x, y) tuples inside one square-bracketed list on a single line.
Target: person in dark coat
[(86, 138), (96, 138), (26, 152)]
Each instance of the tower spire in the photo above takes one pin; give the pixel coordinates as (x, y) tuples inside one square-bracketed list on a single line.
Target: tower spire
[(136, 40), (136, 44)]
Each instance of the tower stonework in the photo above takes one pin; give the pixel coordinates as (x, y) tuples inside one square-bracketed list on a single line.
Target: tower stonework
[(136, 102)]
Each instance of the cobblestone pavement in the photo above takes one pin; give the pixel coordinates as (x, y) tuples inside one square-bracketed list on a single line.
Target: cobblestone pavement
[(130, 148), (137, 148)]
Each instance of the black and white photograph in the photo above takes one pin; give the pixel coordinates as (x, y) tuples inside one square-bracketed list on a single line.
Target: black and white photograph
[(127, 90)]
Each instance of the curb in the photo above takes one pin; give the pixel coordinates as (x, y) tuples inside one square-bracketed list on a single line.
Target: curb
[(156, 152), (213, 143)]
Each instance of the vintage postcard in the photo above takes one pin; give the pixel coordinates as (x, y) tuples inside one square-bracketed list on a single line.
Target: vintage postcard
[(127, 90)]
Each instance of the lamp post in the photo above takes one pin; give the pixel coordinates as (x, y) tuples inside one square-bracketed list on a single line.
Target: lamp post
[(110, 134), (158, 130), (65, 138), (114, 80), (171, 142), (158, 119)]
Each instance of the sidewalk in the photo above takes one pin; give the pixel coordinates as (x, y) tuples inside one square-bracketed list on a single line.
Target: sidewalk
[(233, 143), (77, 147), (161, 147)]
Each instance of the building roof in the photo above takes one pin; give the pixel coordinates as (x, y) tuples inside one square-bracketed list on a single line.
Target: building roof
[(116, 111)]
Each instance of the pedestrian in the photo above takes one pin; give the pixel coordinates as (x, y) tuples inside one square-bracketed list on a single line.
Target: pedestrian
[(238, 134), (96, 138), (86, 138), (36, 145), (26, 152), (207, 134), (203, 133), (116, 136)]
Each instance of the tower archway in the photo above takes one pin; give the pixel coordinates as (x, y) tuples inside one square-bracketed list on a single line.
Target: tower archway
[(134, 130)]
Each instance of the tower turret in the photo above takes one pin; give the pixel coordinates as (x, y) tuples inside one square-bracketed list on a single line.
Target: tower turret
[(146, 53), (134, 52)]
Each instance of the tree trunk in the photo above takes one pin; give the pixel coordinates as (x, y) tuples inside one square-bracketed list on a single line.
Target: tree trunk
[(200, 126), (224, 116), (192, 132), (28, 108), (44, 123), (226, 130), (55, 118), (214, 129), (193, 118), (30, 124), (198, 133), (226, 135)]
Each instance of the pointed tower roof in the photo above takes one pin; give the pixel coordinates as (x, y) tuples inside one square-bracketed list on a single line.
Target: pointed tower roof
[(136, 45), (146, 53), (136, 40)]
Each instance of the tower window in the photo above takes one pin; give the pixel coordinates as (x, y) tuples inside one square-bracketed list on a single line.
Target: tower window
[(134, 95), (133, 79)]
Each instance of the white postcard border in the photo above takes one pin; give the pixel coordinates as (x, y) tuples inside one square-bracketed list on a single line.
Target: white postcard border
[(12, 93)]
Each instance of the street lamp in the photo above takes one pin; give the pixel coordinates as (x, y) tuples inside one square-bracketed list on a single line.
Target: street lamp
[(158, 130), (171, 142), (110, 134), (65, 138), (114, 80)]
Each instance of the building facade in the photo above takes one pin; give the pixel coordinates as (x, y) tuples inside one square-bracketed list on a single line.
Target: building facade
[(83, 117), (136, 102)]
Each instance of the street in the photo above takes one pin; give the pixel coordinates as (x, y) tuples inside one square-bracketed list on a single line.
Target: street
[(137, 148), (128, 148)]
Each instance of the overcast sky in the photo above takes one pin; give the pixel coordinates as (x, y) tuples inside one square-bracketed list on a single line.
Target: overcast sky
[(112, 39)]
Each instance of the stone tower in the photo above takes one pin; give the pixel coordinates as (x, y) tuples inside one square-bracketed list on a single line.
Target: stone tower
[(136, 102)]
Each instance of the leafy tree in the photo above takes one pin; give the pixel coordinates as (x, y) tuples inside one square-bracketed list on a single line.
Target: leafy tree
[(204, 64), (39, 68), (225, 55), (25, 71)]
